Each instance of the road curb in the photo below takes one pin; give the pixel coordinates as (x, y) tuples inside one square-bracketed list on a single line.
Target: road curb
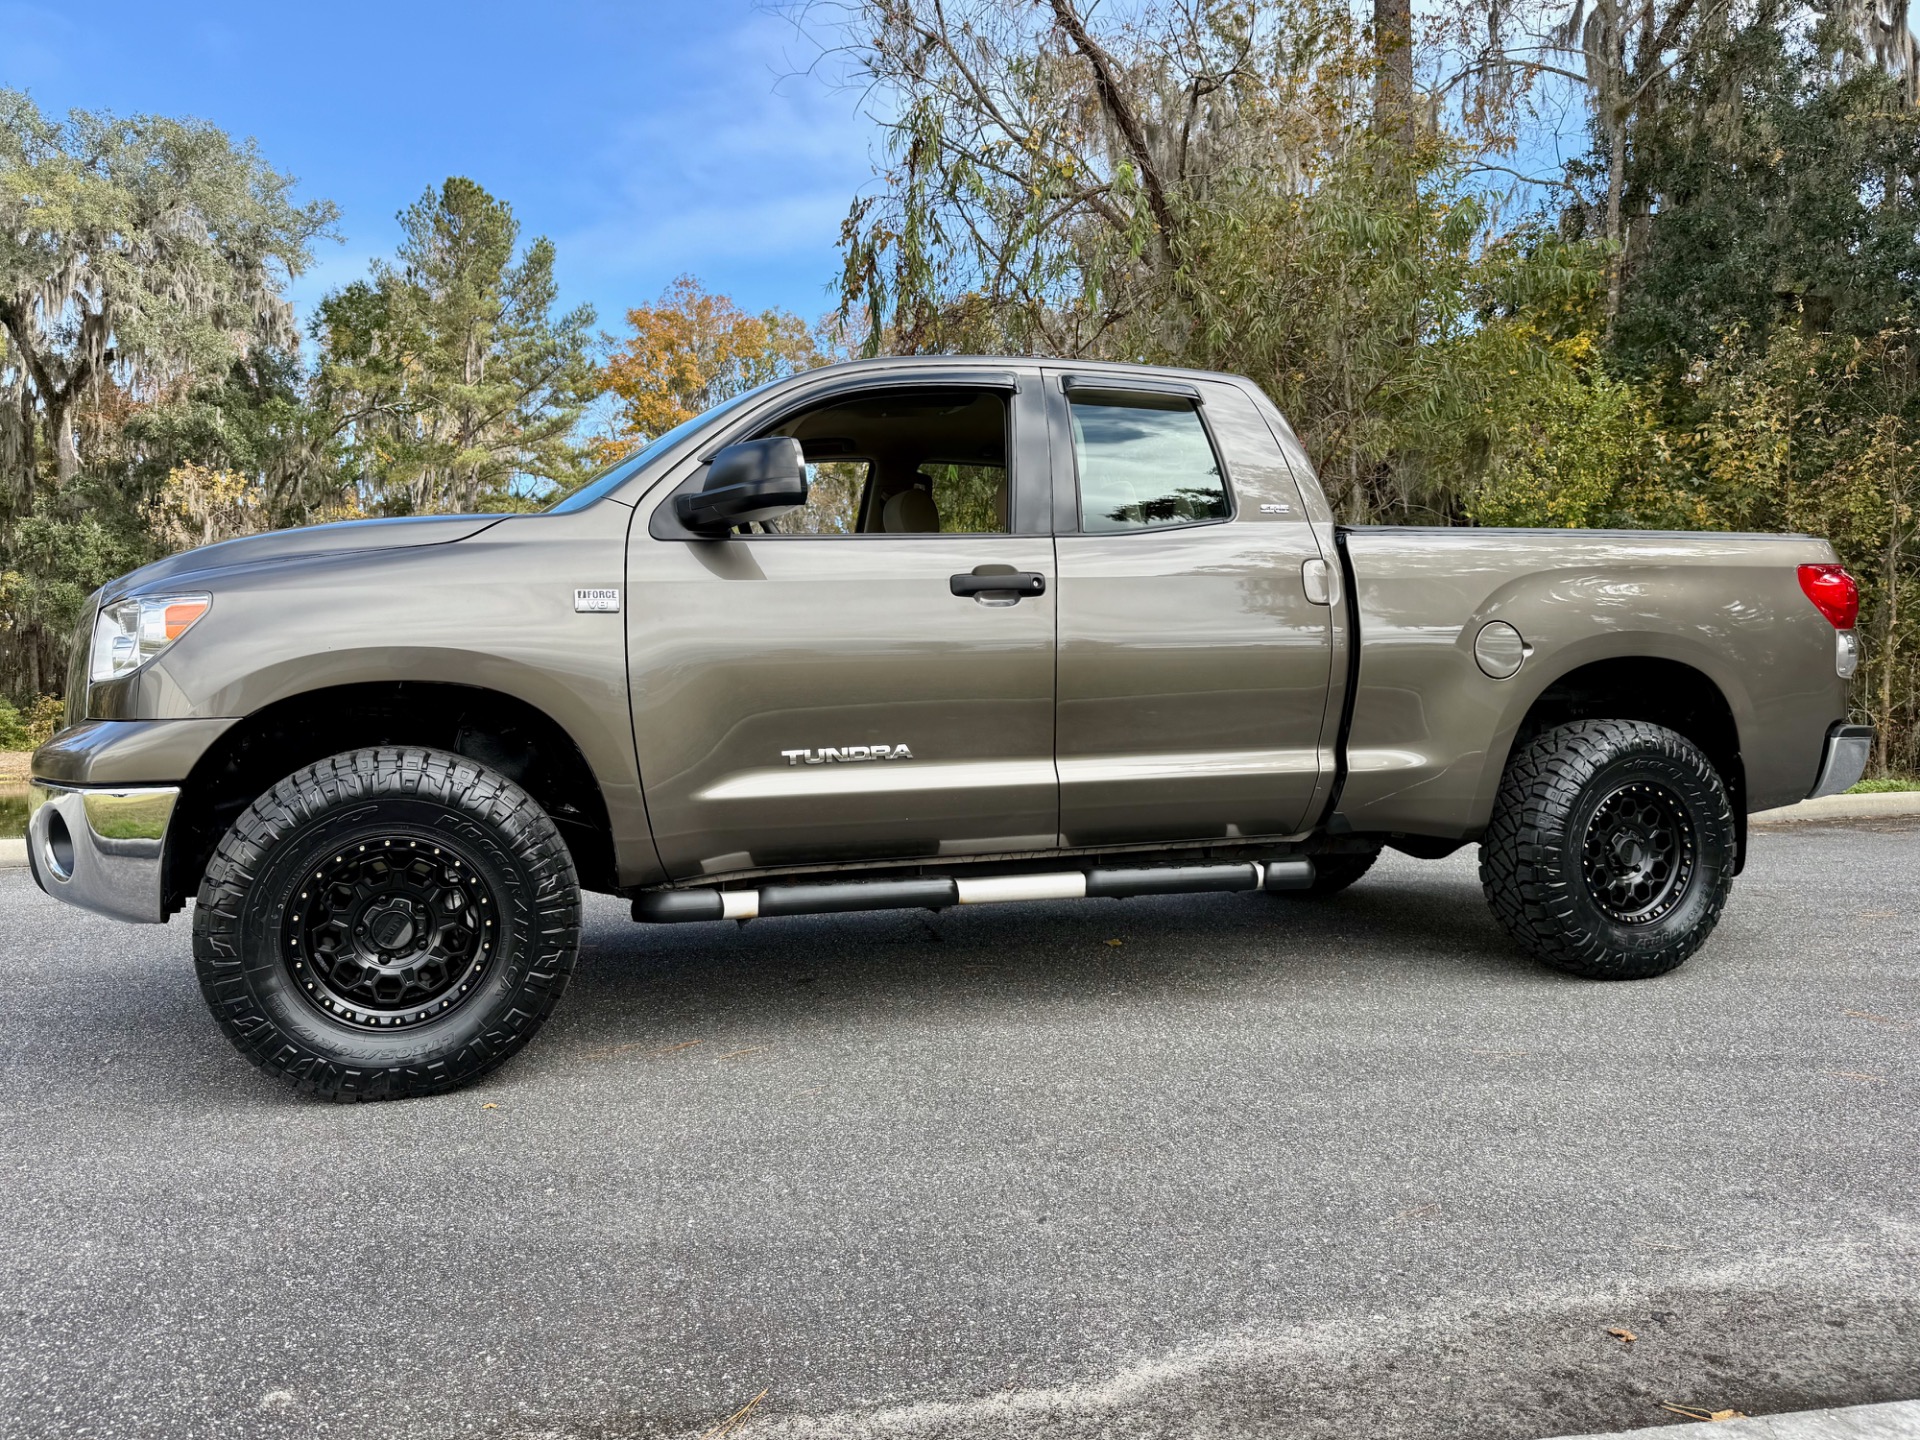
[(13, 854), (1883, 805), (1899, 1420)]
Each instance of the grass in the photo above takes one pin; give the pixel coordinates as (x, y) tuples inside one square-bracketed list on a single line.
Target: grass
[(13, 766), (13, 811), (1886, 784)]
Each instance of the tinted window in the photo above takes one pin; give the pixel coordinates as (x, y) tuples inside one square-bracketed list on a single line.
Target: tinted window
[(835, 489), (1144, 463), (902, 462)]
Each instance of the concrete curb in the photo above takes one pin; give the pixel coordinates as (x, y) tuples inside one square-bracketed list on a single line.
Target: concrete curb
[(1885, 805), (1897, 1421), (13, 854)]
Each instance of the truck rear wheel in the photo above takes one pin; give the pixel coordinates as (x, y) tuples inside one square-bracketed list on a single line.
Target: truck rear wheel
[(386, 923), (1610, 852)]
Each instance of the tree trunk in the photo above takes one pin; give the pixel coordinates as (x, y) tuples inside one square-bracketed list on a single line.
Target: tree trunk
[(1393, 75), (59, 422), (1616, 230), (1889, 638)]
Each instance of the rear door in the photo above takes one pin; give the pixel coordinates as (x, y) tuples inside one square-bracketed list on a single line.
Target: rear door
[(818, 691), (1193, 665)]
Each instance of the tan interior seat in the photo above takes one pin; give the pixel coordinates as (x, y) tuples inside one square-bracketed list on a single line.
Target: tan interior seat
[(911, 512)]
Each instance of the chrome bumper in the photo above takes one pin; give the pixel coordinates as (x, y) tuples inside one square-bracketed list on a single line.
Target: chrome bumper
[(1845, 761), (102, 849)]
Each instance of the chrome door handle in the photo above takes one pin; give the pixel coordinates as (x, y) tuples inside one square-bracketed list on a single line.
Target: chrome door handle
[(1007, 582)]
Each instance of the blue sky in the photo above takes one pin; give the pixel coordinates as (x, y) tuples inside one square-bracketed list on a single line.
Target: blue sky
[(646, 139)]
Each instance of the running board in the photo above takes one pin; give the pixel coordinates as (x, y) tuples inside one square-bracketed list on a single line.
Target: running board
[(674, 906)]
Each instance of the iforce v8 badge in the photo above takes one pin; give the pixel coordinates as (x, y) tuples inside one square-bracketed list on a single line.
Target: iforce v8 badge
[(596, 602)]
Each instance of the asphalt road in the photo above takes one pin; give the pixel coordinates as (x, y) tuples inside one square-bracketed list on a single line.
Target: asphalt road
[(1262, 1168)]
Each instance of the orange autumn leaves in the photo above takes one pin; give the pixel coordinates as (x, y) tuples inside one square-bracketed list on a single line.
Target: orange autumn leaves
[(691, 350)]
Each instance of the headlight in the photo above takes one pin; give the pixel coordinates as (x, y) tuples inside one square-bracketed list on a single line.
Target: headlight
[(129, 633)]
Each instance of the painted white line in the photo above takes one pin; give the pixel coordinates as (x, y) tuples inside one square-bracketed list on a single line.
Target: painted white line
[(1897, 1421)]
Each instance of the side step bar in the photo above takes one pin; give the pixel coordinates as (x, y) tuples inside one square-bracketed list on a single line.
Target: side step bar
[(673, 906)]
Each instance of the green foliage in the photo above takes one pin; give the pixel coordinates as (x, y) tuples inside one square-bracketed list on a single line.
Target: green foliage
[(1579, 449), (133, 252), (32, 729), (454, 380), (1887, 784)]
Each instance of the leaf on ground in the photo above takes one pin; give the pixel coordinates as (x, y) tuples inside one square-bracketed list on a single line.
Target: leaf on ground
[(1694, 1412), (738, 1418), (1116, 942), (489, 1106), (1625, 1337)]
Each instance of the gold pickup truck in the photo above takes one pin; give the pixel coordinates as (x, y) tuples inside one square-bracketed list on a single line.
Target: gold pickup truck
[(911, 632)]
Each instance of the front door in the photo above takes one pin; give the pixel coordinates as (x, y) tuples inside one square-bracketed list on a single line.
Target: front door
[(843, 684), (1193, 665)]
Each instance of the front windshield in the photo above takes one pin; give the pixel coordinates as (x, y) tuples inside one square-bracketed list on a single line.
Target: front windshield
[(618, 473)]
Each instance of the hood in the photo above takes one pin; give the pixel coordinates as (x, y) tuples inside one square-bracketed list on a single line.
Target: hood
[(338, 538)]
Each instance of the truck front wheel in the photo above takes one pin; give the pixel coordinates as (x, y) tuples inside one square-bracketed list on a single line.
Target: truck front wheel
[(1610, 852), (386, 923)]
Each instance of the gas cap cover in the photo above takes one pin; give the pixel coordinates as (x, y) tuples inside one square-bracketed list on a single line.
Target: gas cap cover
[(1499, 649)]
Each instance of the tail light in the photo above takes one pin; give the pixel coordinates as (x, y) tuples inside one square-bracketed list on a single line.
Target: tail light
[(1833, 593)]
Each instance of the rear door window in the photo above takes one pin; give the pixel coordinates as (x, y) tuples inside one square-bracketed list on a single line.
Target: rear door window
[(1144, 462)]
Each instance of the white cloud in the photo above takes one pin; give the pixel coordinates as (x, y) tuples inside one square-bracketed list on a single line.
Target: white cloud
[(760, 163)]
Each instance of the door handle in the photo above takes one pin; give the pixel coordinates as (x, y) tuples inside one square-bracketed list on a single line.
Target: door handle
[(1007, 582)]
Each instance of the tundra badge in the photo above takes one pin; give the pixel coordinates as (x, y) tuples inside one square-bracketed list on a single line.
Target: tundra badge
[(828, 755)]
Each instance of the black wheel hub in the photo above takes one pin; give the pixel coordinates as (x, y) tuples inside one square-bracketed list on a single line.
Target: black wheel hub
[(391, 932), (1638, 853)]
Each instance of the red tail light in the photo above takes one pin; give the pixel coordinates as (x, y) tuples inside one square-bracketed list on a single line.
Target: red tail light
[(1833, 592)]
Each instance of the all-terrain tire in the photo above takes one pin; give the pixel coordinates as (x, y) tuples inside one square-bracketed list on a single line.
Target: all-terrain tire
[(386, 923), (1611, 849), (1332, 874)]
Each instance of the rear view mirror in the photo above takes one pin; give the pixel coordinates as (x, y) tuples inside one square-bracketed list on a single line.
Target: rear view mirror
[(754, 481)]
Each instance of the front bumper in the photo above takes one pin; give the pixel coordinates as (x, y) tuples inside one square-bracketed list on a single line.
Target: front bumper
[(1845, 760), (102, 848)]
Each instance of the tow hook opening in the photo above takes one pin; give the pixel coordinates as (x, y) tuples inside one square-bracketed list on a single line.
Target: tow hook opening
[(58, 850)]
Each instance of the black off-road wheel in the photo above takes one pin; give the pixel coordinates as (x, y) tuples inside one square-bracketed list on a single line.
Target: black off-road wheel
[(1332, 874), (386, 923), (1611, 849)]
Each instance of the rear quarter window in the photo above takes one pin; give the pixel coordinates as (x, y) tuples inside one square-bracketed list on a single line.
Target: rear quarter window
[(1145, 464)]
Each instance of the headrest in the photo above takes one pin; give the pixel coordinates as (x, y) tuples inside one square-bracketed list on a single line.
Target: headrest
[(911, 512)]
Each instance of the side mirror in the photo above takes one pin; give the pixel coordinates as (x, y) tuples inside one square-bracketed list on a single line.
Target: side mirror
[(746, 483)]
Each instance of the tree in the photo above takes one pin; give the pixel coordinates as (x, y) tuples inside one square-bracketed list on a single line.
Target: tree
[(143, 264), (453, 381), (1202, 184), (690, 351), (133, 252)]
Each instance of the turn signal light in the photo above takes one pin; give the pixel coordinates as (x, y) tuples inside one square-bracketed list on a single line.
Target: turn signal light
[(1833, 593)]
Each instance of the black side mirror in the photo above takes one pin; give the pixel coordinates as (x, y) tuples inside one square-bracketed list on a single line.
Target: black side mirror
[(747, 483)]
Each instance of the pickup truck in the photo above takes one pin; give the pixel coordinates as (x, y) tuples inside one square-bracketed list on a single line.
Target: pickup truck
[(915, 632)]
